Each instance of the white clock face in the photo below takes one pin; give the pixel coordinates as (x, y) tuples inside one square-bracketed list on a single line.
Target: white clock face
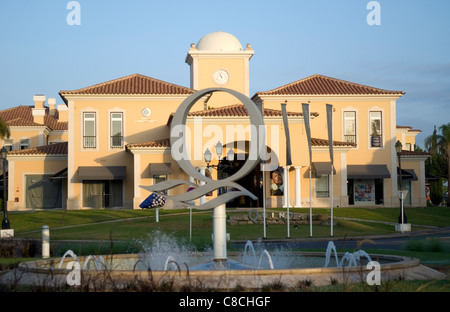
[(221, 77)]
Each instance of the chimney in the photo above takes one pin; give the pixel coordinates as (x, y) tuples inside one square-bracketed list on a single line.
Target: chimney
[(51, 106), (63, 113), (38, 111)]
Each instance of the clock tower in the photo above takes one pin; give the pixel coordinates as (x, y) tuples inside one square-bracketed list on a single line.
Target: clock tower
[(218, 60)]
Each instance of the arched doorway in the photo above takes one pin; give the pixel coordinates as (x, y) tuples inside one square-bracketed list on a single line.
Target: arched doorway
[(252, 182)]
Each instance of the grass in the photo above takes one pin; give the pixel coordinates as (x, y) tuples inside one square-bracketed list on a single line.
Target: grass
[(117, 231), (130, 224)]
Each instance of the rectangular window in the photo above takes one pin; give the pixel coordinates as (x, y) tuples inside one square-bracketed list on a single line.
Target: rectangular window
[(376, 134), (103, 194), (160, 178), (322, 186), (117, 130), (9, 144), (24, 144), (89, 133), (350, 127)]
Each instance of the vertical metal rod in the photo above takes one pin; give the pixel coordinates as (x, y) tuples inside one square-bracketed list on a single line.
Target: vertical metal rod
[(310, 201), (264, 203), (190, 223), (331, 197), (220, 233), (286, 189)]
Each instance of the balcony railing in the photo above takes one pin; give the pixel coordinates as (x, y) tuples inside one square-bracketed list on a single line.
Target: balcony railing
[(116, 141), (350, 138), (89, 142), (322, 194)]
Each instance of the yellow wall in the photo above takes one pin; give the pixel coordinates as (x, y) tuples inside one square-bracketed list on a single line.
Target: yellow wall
[(29, 165), (136, 128), (234, 67)]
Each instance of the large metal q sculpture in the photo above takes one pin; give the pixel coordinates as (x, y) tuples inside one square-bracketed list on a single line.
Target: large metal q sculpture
[(179, 153)]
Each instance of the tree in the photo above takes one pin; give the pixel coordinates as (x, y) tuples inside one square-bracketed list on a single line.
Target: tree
[(4, 133), (444, 145), (438, 146), (4, 129)]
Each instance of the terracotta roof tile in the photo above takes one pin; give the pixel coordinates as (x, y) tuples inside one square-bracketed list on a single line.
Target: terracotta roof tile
[(156, 143), (52, 149), (323, 85), (166, 143), (132, 84), (323, 142), (22, 116), (239, 110), (414, 153), (410, 129)]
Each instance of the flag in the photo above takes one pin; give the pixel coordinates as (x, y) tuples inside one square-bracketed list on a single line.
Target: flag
[(288, 139), (307, 127), (153, 201), (330, 130)]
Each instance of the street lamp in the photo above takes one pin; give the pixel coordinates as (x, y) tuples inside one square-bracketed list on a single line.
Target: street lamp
[(222, 164), (219, 213), (5, 222), (208, 156), (402, 216), (230, 154)]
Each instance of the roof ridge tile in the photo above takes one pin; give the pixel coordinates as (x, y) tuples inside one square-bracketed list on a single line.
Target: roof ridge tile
[(320, 84)]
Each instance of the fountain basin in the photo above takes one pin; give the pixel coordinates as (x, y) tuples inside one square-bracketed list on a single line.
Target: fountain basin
[(124, 269)]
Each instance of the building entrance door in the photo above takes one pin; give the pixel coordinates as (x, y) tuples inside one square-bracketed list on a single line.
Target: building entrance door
[(102, 193), (252, 182)]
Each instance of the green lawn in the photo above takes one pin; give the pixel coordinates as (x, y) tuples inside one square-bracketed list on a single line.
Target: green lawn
[(118, 231), (132, 224)]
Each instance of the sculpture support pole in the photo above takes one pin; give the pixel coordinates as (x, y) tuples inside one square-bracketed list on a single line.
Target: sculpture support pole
[(220, 233)]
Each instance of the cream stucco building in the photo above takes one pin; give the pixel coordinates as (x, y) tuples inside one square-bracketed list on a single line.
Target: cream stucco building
[(98, 147)]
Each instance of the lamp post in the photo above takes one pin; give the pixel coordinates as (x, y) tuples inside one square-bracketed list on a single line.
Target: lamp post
[(219, 212), (402, 216), (5, 222), (220, 166)]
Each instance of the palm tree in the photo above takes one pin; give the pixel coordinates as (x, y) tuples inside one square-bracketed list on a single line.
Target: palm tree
[(4, 133), (4, 129), (444, 144), (438, 146)]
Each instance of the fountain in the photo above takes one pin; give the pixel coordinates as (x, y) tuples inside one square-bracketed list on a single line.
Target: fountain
[(266, 253), (331, 247), (221, 269), (167, 260), (350, 258), (99, 262), (245, 257), (68, 253)]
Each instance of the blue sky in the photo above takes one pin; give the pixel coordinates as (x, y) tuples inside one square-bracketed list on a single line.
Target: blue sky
[(410, 51)]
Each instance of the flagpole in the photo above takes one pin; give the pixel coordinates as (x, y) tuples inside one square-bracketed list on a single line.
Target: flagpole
[(306, 116), (331, 222), (310, 200), (288, 162), (330, 144), (286, 189), (264, 201)]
